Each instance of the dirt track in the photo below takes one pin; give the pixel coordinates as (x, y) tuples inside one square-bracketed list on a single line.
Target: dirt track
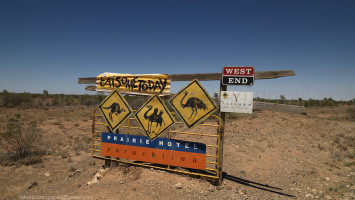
[(267, 155)]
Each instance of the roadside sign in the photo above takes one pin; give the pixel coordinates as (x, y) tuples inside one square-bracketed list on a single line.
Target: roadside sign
[(238, 76), (193, 104), (115, 109), (144, 84), (237, 102), (154, 117), (162, 150)]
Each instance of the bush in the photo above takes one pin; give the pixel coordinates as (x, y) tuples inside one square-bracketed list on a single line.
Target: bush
[(17, 115), (351, 114), (21, 144), (15, 99)]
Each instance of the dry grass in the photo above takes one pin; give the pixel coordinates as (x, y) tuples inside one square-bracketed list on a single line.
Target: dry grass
[(21, 134), (344, 147), (351, 114), (21, 143)]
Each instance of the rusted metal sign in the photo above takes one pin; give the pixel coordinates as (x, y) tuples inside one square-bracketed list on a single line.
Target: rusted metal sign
[(154, 117), (145, 84), (115, 109), (238, 76), (193, 104), (162, 150)]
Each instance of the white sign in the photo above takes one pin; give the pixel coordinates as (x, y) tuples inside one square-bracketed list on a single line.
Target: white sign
[(238, 102)]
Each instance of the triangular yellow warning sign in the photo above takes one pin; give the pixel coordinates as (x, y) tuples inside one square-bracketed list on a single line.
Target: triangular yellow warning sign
[(115, 109), (154, 117), (193, 104)]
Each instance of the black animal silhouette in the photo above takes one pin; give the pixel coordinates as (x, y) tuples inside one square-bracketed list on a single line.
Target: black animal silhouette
[(159, 120), (115, 109), (154, 117), (194, 103)]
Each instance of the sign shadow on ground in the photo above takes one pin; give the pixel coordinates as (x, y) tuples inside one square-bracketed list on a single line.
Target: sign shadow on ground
[(256, 185)]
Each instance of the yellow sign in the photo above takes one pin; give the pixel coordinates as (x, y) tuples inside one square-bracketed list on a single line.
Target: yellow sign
[(193, 104), (154, 117), (134, 84), (225, 94), (115, 109)]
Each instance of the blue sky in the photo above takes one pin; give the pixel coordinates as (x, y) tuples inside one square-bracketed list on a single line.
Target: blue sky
[(50, 44)]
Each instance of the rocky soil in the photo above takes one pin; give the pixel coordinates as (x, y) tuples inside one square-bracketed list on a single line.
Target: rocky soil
[(267, 155)]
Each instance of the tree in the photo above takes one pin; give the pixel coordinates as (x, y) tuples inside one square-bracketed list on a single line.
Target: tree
[(300, 101), (282, 99), (6, 97), (45, 95)]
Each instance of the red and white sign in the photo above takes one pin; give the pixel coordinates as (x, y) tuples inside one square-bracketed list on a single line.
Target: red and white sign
[(238, 76), (238, 71)]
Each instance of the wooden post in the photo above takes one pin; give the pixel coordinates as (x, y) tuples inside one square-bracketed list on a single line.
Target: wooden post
[(222, 116), (204, 77)]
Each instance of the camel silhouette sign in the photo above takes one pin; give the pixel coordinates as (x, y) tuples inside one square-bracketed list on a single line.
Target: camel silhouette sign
[(115, 109), (154, 117), (193, 104)]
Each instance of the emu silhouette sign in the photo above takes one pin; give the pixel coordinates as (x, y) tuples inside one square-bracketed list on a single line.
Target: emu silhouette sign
[(154, 117), (193, 104), (115, 109)]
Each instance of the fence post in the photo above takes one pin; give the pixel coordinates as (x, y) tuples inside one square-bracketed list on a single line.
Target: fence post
[(222, 116), (108, 158)]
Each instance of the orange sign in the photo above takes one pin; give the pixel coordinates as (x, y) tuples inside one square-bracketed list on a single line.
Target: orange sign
[(162, 150)]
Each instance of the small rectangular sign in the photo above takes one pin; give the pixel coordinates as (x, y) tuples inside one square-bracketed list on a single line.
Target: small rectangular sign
[(238, 80), (237, 102), (161, 151), (238, 76), (238, 71), (134, 83)]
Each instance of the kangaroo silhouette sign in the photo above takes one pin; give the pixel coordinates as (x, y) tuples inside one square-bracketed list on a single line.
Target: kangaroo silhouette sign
[(115, 109), (193, 104), (154, 117)]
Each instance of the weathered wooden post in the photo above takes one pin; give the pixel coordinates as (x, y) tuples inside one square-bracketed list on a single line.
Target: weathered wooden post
[(222, 116)]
